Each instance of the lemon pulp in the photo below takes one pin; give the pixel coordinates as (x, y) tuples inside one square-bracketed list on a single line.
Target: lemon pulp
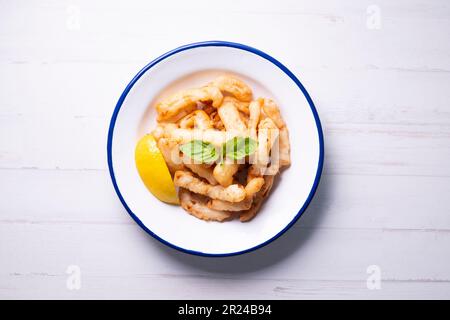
[(153, 170)]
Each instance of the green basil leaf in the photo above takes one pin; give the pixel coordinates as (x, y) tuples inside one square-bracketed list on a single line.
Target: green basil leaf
[(200, 151), (238, 148)]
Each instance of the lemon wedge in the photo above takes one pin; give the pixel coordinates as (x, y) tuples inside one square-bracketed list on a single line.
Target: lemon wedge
[(153, 170)]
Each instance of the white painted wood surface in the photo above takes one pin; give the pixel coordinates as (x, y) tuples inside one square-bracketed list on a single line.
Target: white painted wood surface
[(383, 97)]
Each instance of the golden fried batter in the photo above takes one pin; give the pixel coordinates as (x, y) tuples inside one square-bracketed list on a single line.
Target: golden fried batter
[(196, 206), (253, 186), (201, 170), (230, 206), (249, 214), (238, 88), (232, 193), (242, 106), (267, 135), (254, 111), (231, 118), (198, 119), (213, 136), (169, 150), (182, 103), (273, 112), (224, 172)]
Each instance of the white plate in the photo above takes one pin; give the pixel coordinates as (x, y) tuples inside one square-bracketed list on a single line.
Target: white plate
[(194, 65)]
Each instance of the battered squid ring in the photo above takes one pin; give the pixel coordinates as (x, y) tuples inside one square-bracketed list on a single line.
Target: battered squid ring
[(238, 88), (249, 214), (182, 103), (198, 119), (224, 172), (197, 206), (231, 117), (242, 106), (272, 111), (232, 193)]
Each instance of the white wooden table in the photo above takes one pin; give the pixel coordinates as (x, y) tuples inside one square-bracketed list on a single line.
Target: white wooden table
[(379, 74)]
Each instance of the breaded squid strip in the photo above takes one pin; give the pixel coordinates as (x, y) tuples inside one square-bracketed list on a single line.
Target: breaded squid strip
[(255, 112), (232, 193), (201, 170), (272, 132), (249, 214), (213, 136), (217, 122), (273, 112), (224, 172), (231, 118), (196, 206), (254, 185), (267, 135), (238, 88), (285, 147), (230, 206), (242, 106), (171, 154), (244, 118), (161, 128), (198, 119), (180, 104), (253, 121)]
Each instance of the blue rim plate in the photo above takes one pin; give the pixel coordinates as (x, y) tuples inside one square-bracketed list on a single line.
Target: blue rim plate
[(215, 44)]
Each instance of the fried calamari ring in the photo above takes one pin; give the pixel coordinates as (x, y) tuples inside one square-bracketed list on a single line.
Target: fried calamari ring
[(224, 172), (249, 214), (217, 122), (171, 154), (230, 206), (238, 88), (232, 193), (242, 106), (254, 185), (273, 112), (196, 205), (198, 119), (285, 147), (182, 103), (201, 170), (254, 116), (216, 137), (231, 118), (267, 135)]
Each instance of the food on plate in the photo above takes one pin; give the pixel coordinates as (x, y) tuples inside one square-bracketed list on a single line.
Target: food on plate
[(234, 86), (219, 146), (184, 102)]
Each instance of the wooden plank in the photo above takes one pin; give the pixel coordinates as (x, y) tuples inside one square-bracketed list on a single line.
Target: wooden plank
[(370, 96), (325, 254), (42, 286), (341, 96), (61, 197), (339, 32), (80, 143), (387, 150), (338, 258), (393, 130), (89, 90)]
